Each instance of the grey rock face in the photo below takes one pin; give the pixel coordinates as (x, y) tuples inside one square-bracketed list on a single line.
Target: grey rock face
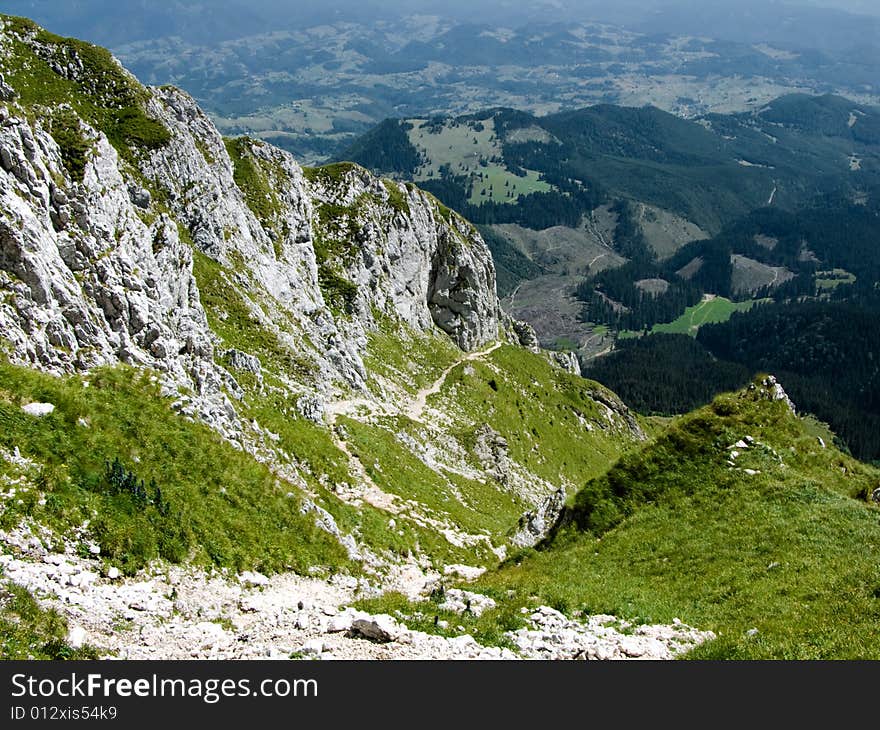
[(242, 361), (775, 391), (462, 291), (492, 451), (7, 93), (526, 335), (568, 361), (140, 196), (94, 273), (536, 524), (104, 288)]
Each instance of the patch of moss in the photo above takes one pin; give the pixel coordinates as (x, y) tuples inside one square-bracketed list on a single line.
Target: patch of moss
[(66, 132)]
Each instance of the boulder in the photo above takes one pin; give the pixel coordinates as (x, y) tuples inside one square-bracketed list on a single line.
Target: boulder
[(76, 637), (39, 410), (381, 628)]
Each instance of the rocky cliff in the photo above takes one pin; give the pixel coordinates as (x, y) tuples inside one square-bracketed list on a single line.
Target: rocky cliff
[(340, 330), (97, 257)]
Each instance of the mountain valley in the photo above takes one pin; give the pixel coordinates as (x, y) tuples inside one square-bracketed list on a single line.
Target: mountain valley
[(251, 409)]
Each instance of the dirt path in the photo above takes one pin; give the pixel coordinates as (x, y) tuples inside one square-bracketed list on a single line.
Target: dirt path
[(366, 489), (416, 409), (351, 406), (600, 256), (513, 296)]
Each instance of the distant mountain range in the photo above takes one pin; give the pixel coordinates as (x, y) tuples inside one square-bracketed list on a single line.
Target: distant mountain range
[(611, 222), (312, 76)]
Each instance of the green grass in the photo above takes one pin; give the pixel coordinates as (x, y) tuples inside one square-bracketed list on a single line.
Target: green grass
[(829, 280), (672, 532), (396, 199), (329, 175), (28, 631), (470, 505), (497, 182), (541, 410), (253, 180), (410, 359), (470, 152), (102, 94), (226, 509), (708, 311)]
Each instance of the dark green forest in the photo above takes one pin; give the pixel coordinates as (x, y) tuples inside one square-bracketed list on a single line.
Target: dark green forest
[(773, 188)]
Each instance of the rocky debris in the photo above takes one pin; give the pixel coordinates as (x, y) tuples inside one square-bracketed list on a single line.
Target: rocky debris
[(313, 647), (460, 601), (491, 450), (76, 637), (526, 335), (343, 621), (568, 361), (39, 410), (772, 389), (536, 524), (467, 572), (382, 627), (175, 612), (875, 495), (253, 579), (554, 636)]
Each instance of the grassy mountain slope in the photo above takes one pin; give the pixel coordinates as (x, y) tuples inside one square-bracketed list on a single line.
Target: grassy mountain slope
[(771, 545)]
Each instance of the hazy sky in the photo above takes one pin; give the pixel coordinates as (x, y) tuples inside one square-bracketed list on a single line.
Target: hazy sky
[(115, 22)]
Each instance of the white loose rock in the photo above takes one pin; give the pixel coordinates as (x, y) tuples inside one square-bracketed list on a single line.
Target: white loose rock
[(39, 410), (313, 647), (77, 637), (253, 579)]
